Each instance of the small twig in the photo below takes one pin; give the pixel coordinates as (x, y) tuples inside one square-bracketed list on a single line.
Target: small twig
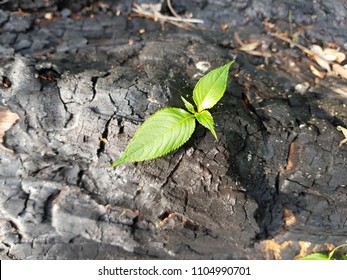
[(289, 41), (238, 39), (158, 16), (290, 18), (301, 47), (168, 18), (172, 10), (251, 52)]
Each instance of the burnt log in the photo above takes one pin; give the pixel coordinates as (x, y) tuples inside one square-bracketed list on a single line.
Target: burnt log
[(273, 183)]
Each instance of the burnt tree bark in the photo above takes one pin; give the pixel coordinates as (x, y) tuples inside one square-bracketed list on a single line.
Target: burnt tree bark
[(276, 177)]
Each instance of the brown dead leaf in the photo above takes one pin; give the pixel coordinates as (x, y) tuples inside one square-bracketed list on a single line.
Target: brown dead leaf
[(316, 49), (249, 46), (316, 72), (224, 26), (324, 57), (333, 55), (340, 70), (7, 119), (271, 26), (319, 58)]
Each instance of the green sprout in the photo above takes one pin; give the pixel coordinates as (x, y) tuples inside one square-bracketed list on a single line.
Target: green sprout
[(169, 128), (320, 256)]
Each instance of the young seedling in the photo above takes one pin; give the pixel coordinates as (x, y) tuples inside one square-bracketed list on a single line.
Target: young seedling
[(327, 257), (169, 128)]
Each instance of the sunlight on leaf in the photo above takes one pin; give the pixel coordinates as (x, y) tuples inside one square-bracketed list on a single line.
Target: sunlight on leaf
[(206, 119), (168, 129), (210, 88), (189, 106), (315, 256), (163, 132)]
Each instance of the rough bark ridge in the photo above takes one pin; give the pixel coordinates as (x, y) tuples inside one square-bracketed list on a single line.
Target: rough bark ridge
[(273, 182)]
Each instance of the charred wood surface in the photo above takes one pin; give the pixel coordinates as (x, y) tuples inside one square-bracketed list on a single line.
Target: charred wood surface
[(273, 186)]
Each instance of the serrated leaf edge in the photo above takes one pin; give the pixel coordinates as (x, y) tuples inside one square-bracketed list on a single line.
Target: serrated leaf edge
[(124, 157), (206, 126), (199, 106), (189, 106)]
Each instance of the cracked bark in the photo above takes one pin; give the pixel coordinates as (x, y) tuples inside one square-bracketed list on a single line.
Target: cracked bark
[(276, 154)]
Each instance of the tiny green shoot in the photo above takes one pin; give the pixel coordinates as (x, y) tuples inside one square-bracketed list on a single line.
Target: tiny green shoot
[(320, 256), (169, 128)]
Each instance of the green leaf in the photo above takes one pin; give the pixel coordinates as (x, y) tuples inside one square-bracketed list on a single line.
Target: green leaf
[(315, 256), (189, 106), (206, 119), (335, 249), (210, 88), (161, 133)]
